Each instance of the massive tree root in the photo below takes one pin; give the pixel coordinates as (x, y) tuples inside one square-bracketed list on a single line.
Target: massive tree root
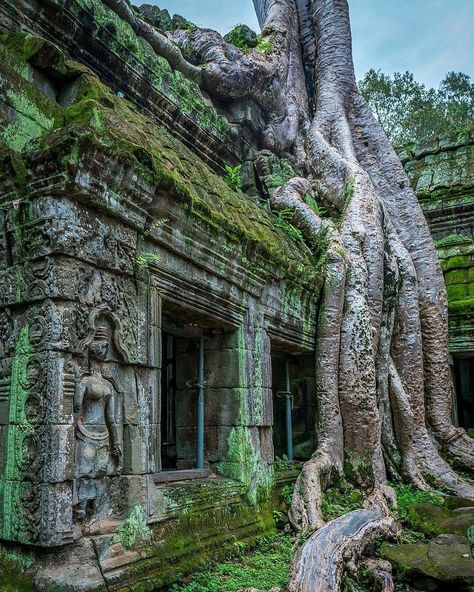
[(383, 379)]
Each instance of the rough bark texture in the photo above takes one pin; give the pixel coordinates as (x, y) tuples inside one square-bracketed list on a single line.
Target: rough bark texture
[(384, 391)]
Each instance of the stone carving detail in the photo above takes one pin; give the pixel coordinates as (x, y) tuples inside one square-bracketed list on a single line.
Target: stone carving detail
[(98, 449), (96, 428), (7, 341)]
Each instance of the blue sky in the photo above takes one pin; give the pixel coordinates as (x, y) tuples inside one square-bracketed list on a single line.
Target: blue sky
[(428, 37)]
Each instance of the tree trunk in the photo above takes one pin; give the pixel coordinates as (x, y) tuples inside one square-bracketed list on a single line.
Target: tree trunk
[(383, 380)]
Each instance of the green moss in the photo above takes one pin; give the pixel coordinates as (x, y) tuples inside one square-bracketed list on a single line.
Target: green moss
[(267, 567), (15, 574), (339, 500), (120, 38), (244, 463), (31, 114), (242, 37), (456, 262), (19, 428), (409, 496), (453, 240), (134, 532), (457, 276), (462, 308), (457, 292)]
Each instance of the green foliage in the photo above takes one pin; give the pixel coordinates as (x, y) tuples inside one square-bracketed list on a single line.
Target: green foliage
[(408, 495), (313, 204), (281, 463), (340, 500), (264, 45), (410, 112), (245, 39), (135, 531), (267, 567), (242, 37), (287, 493), (282, 221), (14, 574), (233, 178), (144, 259), (351, 583), (20, 562), (154, 225)]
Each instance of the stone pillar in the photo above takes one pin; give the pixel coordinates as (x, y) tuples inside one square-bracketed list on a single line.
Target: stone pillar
[(240, 388)]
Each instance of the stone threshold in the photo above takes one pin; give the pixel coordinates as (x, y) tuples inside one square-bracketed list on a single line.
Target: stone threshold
[(183, 475)]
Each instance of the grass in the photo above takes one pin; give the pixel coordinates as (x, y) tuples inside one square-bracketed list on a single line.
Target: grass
[(408, 495), (266, 567)]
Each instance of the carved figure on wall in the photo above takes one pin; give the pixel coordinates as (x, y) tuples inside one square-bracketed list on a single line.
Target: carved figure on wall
[(97, 435)]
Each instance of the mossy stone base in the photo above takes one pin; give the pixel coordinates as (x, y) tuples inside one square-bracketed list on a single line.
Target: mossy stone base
[(435, 520), (444, 564)]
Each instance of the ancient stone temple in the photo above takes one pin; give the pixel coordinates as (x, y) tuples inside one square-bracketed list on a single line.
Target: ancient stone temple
[(149, 311), (157, 321), (442, 174)]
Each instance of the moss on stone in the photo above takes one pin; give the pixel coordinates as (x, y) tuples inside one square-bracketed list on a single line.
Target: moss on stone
[(462, 308), (457, 292), (15, 570), (98, 117)]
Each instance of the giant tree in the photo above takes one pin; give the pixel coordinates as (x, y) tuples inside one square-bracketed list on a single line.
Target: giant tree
[(383, 379)]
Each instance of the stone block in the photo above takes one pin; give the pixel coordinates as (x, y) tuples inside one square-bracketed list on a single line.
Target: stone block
[(37, 389), (186, 443), (224, 369), (223, 406), (36, 513), (260, 407), (42, 454), (266, 444), (148, 389), (137, 449)]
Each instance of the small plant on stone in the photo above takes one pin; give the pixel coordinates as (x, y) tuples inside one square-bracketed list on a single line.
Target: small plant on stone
[(283, 222), (135, 531), (264, 46), (233, 178), (154, 225), (144, 259), (281, 463)]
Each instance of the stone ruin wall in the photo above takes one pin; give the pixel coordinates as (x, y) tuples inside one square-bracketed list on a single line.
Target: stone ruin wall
[(117, 228), (442, 175)]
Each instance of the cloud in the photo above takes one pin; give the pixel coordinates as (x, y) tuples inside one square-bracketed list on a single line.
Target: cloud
[(427, 37)]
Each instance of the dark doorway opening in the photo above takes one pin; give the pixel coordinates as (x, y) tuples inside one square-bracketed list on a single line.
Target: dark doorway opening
[(168, 402), (297, 373), (464, 386)]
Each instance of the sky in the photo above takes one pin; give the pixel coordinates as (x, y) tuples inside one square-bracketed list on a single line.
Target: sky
[(427, 37)]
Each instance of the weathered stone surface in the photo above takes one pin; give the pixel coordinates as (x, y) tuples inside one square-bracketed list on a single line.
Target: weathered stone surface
[(445, 563), (433, 520), (442, 175)]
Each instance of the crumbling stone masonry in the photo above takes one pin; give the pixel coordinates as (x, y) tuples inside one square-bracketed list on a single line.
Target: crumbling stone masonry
[(129, 272)]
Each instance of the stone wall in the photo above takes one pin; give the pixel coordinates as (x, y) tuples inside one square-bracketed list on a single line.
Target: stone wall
[(116, 230), (442, 175)]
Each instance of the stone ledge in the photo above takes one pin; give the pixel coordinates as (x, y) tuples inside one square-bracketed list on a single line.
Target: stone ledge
[(184, 475)]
